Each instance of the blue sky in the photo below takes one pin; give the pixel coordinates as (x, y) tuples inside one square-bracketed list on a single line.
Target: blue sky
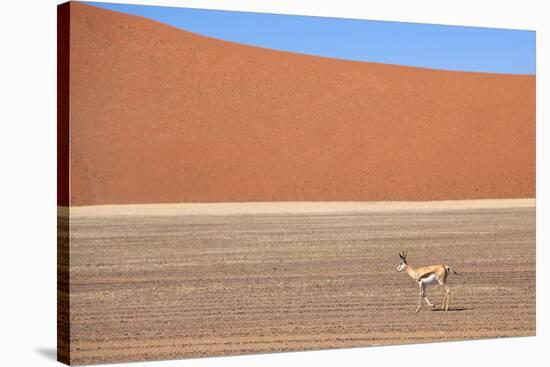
[(412, 44)]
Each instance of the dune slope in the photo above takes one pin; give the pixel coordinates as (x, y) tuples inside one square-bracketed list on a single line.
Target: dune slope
[(160, 115)]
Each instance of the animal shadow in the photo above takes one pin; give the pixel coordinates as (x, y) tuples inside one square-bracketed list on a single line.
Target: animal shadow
[(452, 309)]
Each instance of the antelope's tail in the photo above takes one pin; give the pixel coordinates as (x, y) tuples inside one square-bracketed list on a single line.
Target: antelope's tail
[(451, 269)]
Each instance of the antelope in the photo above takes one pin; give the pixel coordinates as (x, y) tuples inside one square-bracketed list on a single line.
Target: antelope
[(427, 275)]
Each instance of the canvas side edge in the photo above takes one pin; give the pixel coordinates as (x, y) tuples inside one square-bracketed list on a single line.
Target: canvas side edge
[(63, 191)]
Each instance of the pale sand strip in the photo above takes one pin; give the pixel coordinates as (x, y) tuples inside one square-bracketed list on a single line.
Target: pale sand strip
[(289, 207)]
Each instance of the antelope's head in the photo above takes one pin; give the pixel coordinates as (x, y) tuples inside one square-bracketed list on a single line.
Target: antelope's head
[(403, 262)]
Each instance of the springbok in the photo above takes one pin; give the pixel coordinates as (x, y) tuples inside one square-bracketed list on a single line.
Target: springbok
[(427, 275)]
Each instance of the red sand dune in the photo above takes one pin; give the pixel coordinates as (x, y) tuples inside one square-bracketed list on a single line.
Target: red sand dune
[(162, 115)]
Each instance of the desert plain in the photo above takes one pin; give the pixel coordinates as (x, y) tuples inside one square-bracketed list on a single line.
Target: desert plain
[(176, 281)]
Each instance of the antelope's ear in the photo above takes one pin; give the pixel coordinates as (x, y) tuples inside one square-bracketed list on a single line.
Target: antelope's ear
[(401, 256)]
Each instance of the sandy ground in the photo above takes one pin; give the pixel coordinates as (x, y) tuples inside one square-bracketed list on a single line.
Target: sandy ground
[(289, 207), (151, 286)]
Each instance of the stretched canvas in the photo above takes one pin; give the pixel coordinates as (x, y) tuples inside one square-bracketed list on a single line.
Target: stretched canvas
[(233, 183)]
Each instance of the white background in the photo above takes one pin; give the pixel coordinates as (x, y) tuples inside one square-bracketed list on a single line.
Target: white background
[(28, 181)]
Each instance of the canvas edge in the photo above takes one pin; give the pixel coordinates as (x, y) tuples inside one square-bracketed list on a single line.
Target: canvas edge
[(63, 182)]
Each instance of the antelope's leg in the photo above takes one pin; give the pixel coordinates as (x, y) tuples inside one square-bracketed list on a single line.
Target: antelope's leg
[(420, 295), (446, 288), (426, 298), (448, 300)]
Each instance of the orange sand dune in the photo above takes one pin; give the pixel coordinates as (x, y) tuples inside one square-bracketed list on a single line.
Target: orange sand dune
[(160, 115)]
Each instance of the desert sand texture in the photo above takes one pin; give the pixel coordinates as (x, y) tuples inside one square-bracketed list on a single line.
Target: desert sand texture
[(161, 115), (149, 286)]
